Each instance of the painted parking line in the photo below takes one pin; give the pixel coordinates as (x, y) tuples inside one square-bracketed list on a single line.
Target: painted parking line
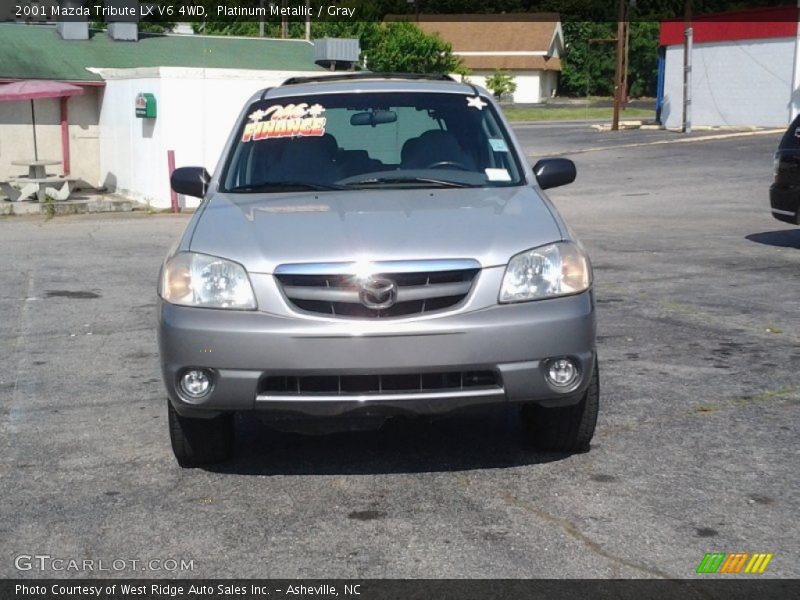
[(704, 138)]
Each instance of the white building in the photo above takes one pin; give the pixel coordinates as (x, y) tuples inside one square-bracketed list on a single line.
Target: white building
[(744, 69), (528, 48), (199, 85)]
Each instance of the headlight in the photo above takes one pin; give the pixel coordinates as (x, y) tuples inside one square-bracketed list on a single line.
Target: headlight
[(192, 279), (554, 270)]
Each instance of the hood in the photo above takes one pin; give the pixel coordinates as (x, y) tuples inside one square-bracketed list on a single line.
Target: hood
[(262, 231)]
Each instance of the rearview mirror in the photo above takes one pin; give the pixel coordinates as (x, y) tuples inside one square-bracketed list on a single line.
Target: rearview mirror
[(374, 117), (190, 181), (553, 172)]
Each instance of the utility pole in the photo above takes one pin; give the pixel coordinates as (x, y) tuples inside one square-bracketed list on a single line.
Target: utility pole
[(308, 20), (620, 74), (625, 59), (686, 126), (284, 21)]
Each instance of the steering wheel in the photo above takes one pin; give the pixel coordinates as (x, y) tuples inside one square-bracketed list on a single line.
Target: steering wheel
[(448, 164)]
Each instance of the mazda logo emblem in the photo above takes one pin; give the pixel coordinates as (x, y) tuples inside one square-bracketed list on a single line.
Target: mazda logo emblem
[(377, 292)]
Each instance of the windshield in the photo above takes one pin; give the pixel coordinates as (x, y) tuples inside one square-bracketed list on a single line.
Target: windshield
[(363, 140)]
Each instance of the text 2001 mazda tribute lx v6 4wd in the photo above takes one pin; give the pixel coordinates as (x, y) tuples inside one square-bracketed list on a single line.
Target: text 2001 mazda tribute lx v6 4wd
[(370, 246)]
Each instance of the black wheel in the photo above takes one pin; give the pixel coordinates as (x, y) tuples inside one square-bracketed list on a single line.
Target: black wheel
[(567, 428), (198, 442)]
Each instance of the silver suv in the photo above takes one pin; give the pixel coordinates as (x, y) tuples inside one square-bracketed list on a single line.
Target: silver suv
[(374, 245)]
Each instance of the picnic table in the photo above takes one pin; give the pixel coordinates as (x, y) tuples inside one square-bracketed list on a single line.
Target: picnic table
[(37, 182), (37, 169)]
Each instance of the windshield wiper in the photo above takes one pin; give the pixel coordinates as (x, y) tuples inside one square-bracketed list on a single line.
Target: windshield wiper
[(277, 186), (408, 179)]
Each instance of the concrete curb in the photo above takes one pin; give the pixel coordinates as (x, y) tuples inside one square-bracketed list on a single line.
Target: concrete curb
[(622, 125), (65, 207)]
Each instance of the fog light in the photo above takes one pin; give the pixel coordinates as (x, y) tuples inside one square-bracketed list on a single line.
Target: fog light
[(562, 372), (195, 383)]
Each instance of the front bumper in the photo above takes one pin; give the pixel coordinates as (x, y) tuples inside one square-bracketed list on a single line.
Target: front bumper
[(784, 202), (242, 348)]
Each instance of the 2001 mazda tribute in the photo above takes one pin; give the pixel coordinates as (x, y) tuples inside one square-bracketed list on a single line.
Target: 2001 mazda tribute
[(373, 245)]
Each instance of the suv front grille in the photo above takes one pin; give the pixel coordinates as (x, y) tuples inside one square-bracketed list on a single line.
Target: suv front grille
[(378, 384), (416, 287)]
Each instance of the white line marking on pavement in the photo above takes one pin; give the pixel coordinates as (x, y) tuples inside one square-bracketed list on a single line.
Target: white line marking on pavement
[(704, 138)]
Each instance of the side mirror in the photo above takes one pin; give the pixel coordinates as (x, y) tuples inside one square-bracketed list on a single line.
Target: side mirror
[(553, 172), (190, 181)]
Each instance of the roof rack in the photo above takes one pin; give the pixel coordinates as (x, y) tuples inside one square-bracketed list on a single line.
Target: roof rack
[(367, 75)]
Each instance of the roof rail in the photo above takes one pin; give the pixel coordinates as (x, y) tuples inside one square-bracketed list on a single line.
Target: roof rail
[(366, 75)]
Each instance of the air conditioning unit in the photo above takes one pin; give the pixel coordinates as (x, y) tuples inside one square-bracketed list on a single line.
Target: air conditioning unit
[(76, 28), (336, 54)]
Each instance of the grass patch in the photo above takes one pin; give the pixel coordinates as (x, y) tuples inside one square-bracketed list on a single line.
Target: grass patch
[(573, 113), (765, 396), (709, 408), (682, 308), (157, 211), (49, 209)]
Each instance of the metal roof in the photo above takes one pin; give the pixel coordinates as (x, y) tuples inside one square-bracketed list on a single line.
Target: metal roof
[(37, 52)]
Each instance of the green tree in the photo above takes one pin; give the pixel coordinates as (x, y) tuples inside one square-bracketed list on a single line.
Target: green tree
[(643, 59), (402, 46), (396, 46), (589, 60), (463, 71), (144, 26), (238, 28), (587, 66), (501, 83)]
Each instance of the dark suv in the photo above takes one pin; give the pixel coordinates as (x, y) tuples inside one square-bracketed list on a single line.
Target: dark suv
[(784, 193)]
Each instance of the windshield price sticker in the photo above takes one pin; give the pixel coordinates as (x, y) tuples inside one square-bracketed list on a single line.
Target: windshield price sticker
[(292, 120), (497, 175), (498, 145)]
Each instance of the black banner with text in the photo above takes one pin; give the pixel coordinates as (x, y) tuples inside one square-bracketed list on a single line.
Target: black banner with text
[(343, 11), (393, 589)]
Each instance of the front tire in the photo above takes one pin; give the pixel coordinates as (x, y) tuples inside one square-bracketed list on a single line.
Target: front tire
[(566, 428), (198, 442)]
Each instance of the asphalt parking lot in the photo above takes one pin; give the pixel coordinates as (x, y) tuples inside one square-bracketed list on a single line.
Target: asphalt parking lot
[(696, 447)]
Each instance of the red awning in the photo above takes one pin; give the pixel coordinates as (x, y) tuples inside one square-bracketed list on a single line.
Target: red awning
[(33, 89), (754, 24)]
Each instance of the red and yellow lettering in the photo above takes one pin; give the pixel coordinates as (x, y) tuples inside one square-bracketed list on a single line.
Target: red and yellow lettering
[(317, 127), (248, 131)]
